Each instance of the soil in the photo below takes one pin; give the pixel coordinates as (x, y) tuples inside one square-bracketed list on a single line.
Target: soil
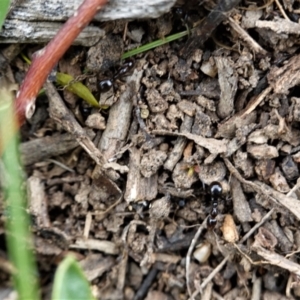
[(130, 189)]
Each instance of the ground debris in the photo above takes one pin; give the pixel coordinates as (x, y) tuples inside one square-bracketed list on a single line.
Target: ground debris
[(130, 195)]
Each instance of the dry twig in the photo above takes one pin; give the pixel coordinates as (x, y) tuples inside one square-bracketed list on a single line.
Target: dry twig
[(189, 254)]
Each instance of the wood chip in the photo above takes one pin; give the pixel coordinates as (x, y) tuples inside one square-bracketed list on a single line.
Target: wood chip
[(241, 206), (92, 244)]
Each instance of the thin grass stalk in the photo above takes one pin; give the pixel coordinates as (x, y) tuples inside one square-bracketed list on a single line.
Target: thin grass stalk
[(17, 225)]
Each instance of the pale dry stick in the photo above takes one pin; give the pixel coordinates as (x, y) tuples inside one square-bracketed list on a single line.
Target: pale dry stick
[(246, 37), (260, 262), (210, 276), (263, 220), (126, 229), (189, 254), (256, 289), (61, 114), (107, 247), (292, 253), (217, 296), (110, 208), (166, 258), (60, 164), (295, 187), (207, 292), (214, 272), (256, 101), (122, 270), (234, 171), (289, 286), (223, 46), (282, 10), (125, 31), (87, 225)]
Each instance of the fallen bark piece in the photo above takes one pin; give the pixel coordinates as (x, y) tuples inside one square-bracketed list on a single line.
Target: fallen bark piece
[(37, 21), (264, 169), (182, 177), (96, 121), (152, 161), (262, 151), (286, 77), (265, 238), (139, 187), (240, 204), (215, 171), (37, 201), (115, 134), (228, 80), (59, 10), (177, 151), (246, 37), (279, 26), (284, 244), (279, 182), (244, 163), (18, 31), (40, 149)]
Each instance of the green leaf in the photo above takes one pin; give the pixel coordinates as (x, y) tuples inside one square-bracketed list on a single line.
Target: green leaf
[(4, 6), (70, 282), (77, 88)]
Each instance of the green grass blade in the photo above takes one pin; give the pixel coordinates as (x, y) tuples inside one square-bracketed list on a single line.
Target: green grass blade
[(4, 6), (70, 282), (17, 225), (155, 44)]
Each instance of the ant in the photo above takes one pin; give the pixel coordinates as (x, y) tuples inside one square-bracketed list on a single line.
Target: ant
[(215, 190), (106, 84)]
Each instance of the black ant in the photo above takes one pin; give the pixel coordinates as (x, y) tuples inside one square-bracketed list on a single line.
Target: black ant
[(85, 109), (215, 190), (106, 84)]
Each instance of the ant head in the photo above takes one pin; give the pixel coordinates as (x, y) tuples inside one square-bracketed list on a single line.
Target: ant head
[(105, 85), (215, 189), (129, 63)]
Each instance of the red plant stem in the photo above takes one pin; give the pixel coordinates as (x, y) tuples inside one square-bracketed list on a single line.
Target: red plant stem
[(45, 59)]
